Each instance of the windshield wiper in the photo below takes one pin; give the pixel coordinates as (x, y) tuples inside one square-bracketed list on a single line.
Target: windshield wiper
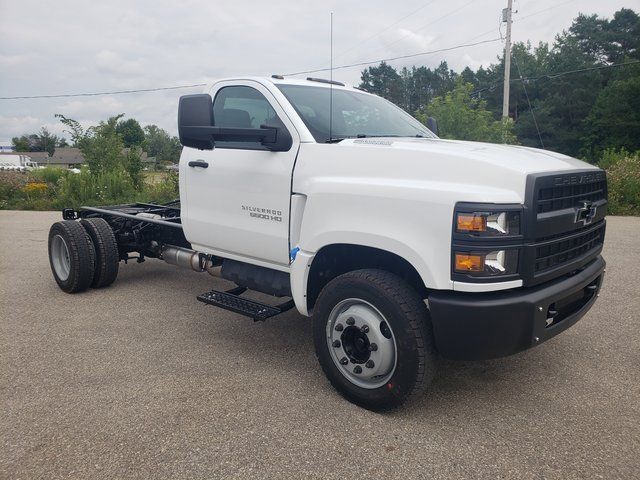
[(417, 135), (362, 135)]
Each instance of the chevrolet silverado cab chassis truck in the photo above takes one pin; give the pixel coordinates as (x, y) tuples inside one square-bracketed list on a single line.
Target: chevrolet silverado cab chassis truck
[(401, 245)]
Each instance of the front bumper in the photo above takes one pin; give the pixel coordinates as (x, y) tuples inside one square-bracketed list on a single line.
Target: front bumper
[(474, 326)]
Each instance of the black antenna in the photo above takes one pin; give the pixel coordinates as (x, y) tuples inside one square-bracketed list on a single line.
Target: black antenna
[(331, 81)]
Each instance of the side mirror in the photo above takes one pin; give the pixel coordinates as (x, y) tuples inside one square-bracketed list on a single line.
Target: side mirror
[(196, 128), (195, 116), (432, 125)]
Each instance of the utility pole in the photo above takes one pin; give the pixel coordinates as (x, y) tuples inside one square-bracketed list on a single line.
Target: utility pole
[(506, 17)]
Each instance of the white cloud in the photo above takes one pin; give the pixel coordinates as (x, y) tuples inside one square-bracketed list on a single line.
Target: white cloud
[(110, 62), (14, 61), (12, 126), (407, 41)]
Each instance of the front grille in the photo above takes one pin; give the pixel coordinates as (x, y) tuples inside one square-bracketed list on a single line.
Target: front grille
[(560, 250), (559, 196)]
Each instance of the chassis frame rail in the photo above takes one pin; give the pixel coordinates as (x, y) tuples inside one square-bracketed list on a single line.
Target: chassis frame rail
[(138, 227)]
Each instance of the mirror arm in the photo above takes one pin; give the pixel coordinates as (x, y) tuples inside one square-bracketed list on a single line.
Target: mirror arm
[(229, 134)]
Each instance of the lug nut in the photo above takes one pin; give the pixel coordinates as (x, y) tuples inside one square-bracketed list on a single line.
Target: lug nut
[(373, 347), (350, 321), (336, 343), (344, 361), (365, 329), (339, 327), (369, 364), (357, 369)]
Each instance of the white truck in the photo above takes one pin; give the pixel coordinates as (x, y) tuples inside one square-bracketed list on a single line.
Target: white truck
[(400, 245), (17, 163)]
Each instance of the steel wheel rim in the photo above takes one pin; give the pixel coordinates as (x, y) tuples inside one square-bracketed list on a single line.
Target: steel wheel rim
[(361, 343), (60, 257)]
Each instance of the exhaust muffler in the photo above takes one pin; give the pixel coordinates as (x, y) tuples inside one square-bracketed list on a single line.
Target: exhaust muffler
[(183, 257)]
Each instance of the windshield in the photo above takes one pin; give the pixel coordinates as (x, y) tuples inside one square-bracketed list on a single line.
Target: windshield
[(354, 114)]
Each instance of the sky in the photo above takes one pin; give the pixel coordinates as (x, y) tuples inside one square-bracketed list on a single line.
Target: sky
[(68, 46)]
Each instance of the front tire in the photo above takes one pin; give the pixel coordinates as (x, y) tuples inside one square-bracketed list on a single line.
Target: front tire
[(373, 339), (71, 256)]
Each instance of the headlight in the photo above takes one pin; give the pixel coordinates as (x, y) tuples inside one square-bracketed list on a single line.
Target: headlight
[(486, 241), (487, 264), (488, 223)]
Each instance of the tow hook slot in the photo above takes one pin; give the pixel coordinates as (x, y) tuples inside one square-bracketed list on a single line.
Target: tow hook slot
[(551, 314)]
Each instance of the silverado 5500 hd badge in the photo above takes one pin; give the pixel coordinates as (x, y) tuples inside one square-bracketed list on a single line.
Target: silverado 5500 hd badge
[(263, 213)]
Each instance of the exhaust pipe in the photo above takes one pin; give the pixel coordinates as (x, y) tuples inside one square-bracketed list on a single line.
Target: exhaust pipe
[(183, 257)]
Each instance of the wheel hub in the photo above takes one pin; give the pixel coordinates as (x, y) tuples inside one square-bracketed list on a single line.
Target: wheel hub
[(60, 257), (361, 343), (355, 344)]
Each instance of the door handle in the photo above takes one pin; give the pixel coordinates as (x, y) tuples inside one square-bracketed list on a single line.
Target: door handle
[(198, 163)]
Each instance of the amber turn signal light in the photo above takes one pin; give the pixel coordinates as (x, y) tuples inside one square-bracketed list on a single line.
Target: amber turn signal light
[(471, 222), (469, 262)]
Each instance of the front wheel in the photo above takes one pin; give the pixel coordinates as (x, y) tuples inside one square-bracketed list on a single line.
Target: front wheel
[(373, 339)]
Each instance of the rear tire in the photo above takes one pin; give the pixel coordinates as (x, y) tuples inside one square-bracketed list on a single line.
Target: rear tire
[(373, 339), (106, 247), (71, 256)]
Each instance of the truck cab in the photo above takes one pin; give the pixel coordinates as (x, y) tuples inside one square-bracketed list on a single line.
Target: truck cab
[(402, 246)]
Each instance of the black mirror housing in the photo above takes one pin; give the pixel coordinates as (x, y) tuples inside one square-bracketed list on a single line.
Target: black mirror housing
[(194, 113), (281, 140)]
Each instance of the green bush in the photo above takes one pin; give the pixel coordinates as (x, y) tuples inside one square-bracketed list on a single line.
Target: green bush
[(11, 189), (86, 188), (623, 175), (54, 189), (161, 191), (461, 116), (48, 174)]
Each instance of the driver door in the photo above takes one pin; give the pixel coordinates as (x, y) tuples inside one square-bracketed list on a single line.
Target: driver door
[(237, 196)]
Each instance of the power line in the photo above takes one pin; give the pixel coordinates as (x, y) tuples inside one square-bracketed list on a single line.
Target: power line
[(526, 79), (526, 94), (95, 94), (599, 67), (484, 34), (360, 64), (551, 76)]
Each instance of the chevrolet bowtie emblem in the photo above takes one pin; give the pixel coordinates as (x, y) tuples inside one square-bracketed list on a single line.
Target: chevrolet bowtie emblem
[(586, 212)]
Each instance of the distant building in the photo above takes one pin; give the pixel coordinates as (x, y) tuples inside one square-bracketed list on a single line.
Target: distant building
[(64, 157)]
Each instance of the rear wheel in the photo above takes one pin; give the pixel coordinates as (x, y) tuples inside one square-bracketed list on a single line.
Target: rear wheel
[(373, 339), (106, 247), (71, 256)]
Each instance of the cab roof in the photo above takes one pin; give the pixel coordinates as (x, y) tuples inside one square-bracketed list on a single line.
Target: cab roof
[(282, 80)]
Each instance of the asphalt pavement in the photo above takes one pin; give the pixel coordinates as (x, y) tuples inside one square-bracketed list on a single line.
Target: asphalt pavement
[(140, 380)]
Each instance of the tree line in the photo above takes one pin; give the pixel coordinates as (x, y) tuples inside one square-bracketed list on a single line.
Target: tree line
[(153, 140), (592, 106)]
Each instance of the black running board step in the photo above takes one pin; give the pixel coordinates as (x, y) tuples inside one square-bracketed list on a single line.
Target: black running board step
[(231, 301)]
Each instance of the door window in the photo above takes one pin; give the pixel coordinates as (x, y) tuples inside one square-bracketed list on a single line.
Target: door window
[(243, 107)]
